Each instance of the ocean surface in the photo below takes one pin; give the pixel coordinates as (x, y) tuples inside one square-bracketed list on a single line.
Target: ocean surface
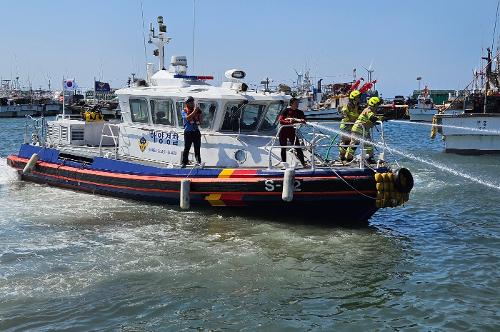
[(75, 261)]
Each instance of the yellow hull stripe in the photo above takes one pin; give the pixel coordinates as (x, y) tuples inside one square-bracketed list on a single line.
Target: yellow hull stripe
[(226, 173), (214, 200)]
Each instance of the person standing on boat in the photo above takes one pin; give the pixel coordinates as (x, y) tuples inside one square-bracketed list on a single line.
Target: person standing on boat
[(191, 118), (351, 113), (361, 128), (291, 115)]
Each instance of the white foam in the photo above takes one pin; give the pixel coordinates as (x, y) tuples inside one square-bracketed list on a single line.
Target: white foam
[(7, 173)]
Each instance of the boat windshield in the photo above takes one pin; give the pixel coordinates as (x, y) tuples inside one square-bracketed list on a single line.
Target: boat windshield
[(270, 121), (162, 112), (251, 116), (208, 109), (242, 118), (231, 117), (139, 110)]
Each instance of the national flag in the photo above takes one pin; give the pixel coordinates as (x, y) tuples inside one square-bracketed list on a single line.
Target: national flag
[(70, 85), (101, 87)]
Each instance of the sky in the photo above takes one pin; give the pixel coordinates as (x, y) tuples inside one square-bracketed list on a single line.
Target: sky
[(441, 40)]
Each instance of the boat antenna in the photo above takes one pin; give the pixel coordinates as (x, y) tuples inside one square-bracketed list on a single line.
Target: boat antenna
[(194, 26), (495, 27), (159, 40), (143, 34)]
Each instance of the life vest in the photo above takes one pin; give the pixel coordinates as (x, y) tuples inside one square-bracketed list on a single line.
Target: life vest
[(91, 116), (195, 119)]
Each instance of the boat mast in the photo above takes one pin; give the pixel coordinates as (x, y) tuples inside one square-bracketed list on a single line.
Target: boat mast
[(159, 40)]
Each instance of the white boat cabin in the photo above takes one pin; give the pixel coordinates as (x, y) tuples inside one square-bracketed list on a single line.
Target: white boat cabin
[(237, 126)]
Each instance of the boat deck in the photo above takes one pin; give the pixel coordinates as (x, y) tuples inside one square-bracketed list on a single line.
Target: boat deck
[(109, 152)]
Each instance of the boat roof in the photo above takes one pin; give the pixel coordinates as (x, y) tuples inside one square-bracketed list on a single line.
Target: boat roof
[(165, 84)]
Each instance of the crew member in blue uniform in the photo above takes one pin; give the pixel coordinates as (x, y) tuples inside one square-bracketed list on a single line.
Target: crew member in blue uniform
[(191, 118)]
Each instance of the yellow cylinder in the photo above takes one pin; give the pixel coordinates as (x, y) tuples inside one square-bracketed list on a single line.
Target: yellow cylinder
[(386, 177), (378, 177), (380, 186)]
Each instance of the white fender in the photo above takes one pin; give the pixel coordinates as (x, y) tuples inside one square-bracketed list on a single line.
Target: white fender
[(288, 185), (185, 190), (31, 163)]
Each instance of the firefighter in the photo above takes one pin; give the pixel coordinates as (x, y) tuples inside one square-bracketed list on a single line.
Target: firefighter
[(361, 128), (351, 112)]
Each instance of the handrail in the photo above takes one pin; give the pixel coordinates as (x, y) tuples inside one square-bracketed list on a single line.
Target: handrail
[(112, 136), (313, 144), (37, 127)]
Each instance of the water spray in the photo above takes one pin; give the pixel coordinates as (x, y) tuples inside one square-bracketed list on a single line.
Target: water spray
[(495, 132), (411, 156)]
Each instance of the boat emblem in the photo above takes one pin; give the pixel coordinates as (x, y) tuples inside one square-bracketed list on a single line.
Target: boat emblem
[(143, 144)]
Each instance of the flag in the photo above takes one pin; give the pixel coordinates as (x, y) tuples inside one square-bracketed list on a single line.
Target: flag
[(70, 85), (101, 87)]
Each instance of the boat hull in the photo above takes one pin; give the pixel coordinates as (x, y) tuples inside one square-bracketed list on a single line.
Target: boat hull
[(426, 114), (327, 114), (319, 191), (484, 139)]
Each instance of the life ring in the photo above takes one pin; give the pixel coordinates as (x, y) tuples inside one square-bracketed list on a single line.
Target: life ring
[(403, 180)]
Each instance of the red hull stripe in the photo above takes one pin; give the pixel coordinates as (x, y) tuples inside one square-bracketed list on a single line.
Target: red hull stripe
[(225, 195), (244, 174)]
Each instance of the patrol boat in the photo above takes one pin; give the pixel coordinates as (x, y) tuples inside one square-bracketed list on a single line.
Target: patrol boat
[(140, 157)]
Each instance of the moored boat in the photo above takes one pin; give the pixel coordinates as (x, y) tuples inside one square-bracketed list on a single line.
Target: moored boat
[(477, 129)]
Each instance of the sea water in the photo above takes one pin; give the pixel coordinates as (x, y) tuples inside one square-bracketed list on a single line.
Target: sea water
[(75, 261)]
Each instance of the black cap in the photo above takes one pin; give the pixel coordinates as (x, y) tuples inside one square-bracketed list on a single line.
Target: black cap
[(188, 99)]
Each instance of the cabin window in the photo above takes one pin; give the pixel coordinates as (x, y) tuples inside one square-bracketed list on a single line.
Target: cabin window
[(270, 121), (162, 112), (251, 116), (208, 109), (231, 117), (139, 110), (179, 106)]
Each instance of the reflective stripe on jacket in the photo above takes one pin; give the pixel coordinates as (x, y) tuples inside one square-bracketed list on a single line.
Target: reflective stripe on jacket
[(366, 120), (351, 114)]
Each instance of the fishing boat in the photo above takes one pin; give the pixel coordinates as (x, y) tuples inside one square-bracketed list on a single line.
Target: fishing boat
[(477, 129), (424, 109), (140, 157)]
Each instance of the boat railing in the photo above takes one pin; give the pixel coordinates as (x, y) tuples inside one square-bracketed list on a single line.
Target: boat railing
[(109, 127), (60, 117), (35, 130), (314, 144)]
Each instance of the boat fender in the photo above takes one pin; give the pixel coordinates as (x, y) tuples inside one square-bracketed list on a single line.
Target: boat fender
[(184, 194), (31, 163), (403, 180), (288, 185), (434, 128)]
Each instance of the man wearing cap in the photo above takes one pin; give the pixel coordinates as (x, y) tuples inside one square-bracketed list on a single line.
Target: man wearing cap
[(291, 115), (191, 118)]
